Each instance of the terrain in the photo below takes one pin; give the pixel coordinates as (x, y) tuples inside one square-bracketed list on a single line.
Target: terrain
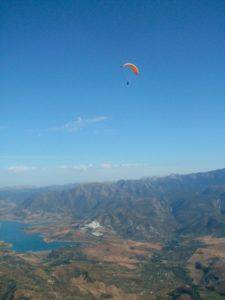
[(153, 238)]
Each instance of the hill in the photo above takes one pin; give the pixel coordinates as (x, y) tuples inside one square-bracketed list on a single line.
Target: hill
[(147, 209)]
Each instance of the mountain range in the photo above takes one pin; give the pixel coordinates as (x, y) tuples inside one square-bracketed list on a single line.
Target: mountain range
[(153, 209)]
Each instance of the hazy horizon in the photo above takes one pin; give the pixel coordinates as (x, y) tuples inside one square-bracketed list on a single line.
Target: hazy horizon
[(104, 178)]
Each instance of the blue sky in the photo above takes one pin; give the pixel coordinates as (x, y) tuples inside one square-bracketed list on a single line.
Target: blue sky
[(66, 114)]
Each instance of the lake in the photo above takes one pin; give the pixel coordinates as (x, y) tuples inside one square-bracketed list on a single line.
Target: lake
[(14, 232)]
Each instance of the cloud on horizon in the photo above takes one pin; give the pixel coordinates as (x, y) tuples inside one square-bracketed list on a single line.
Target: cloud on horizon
[(80, 168), (123, 165), (20, 169), (104, 166)]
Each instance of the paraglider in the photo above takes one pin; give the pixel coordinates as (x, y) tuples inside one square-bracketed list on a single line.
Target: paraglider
[(133, 68)]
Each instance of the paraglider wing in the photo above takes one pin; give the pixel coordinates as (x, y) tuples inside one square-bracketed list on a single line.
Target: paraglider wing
[(132, 67)]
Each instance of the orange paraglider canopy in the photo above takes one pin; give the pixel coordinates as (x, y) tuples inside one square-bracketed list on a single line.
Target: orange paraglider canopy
[(133, 68)]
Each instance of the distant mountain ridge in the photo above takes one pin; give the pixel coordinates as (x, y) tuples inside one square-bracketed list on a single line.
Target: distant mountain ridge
[(145, 209)]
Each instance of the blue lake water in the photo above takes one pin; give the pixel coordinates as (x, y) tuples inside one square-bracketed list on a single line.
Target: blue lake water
[(14, 232)]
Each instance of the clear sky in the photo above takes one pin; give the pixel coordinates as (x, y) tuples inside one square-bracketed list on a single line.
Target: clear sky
[(66, 113)]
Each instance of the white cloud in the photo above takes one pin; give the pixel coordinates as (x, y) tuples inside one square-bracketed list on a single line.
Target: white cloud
[(79, 123), (131, 165), (20, 169), (106, 166), (123, 165), (76, 168), (80, 168)]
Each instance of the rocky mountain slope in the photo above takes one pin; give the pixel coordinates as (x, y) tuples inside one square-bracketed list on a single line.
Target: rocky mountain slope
[(154, 238), (146, 209)]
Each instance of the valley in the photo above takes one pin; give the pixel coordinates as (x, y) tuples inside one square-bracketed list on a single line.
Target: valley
[(154, 238)]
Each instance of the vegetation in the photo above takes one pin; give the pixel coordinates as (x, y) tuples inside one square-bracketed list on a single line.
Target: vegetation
[(161, 238)]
